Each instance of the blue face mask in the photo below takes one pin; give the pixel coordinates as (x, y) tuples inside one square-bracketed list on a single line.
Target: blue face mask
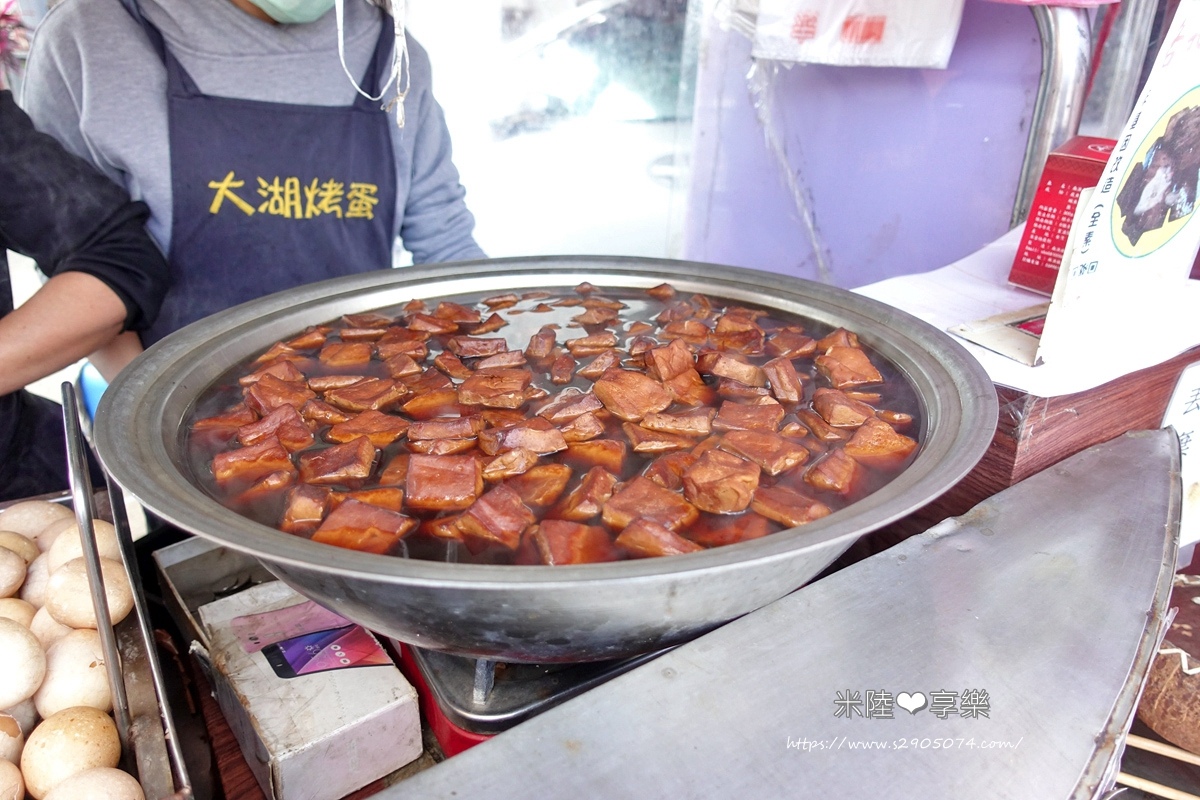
[(294, 11)]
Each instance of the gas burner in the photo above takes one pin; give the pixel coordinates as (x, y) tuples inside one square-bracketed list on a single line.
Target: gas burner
[(468, 700)]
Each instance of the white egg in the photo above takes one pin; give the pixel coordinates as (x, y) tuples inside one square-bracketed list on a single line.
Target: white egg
[(22, 663), (68, 545), (30, 517), (98, 783), (18, 610), (66, 744), (47, 629), (22, 545), (45, 540), (37, 575), (12, 738), (69, 597), (12, 785), (12, 572), (75, 675)]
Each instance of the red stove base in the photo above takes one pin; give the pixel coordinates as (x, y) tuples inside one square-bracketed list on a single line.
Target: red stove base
[(450, 737)]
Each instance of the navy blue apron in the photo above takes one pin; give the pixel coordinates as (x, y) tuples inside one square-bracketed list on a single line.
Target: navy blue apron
[(269, 196)]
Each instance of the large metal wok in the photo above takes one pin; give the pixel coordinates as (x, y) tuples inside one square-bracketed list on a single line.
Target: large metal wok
[(523, 613)]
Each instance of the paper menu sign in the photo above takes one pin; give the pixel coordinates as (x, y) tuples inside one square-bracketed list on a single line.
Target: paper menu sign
[(1183, 414)]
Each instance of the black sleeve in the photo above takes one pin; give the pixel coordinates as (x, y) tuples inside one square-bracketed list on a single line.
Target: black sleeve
[(57, 209)]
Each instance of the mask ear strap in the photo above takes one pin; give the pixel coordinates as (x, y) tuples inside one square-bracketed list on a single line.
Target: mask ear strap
[(400, 64)]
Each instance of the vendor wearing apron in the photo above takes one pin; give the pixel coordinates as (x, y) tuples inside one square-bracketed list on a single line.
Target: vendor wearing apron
[(263, 195)]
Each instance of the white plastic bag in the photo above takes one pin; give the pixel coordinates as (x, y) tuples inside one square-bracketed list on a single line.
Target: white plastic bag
[(859, 33)]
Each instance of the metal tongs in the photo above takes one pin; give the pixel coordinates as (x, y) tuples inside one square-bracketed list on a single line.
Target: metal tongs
[(144, 722)]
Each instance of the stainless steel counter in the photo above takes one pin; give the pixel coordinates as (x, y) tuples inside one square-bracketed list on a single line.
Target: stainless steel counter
[(1040, 609)]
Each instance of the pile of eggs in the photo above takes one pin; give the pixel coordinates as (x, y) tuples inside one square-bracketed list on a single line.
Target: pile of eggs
[(58, 740)]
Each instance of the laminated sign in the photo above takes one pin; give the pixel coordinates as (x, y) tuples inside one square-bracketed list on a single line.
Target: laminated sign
[(859, 33)]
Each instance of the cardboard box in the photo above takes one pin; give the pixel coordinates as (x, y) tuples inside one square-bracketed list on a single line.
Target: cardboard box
[(1075, 165), (315, 736)]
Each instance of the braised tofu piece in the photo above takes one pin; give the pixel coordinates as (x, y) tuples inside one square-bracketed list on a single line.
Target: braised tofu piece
[(284, 370), (820, 429), (498, 517), (358, 526), (739, 416), (269, 393), (509, 464), (599, 365), (347, 464), (388, 497), (395, 472), (644, 538), (664, 292), (230, 420), (692, 331), (597, 316), (696, 423), (427, 323), (493, 323), (769, 451), (720, 482), (437, 403), (323, 383), (278, 352), (588, 498), (542, 484), (562, 370), (442, 483), (562, 542), (838, 338), (538, 435), (272, 485), (790, 343), (667, 471), (442, 447), (897, 419), (665, 363), (506, 360), (401, 366), (321, 413), (368, 320), (747, 342), (311, 339), (631, 395), (643, 440), (447, 428), (379, 428), (607, 453), (839, 410), (784, 380), (729, 389), (305, 509), (361, 334), (346, 354), (496, 388), (249, 464), (718, 530), (642, 497), (689, 389), (569, 404), (499, 301), (593, 344), (370, 393), (451, 366), (583, 428), (456, 312), (541, 344), (845, 367), (877, 444), (835, 472), (787, 506), (400, 341), (430, 380), (284, 423), (502, 417), (471, 347), (727, 365)]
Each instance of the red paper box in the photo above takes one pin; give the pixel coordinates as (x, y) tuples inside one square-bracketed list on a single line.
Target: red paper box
[(1070, 168)]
